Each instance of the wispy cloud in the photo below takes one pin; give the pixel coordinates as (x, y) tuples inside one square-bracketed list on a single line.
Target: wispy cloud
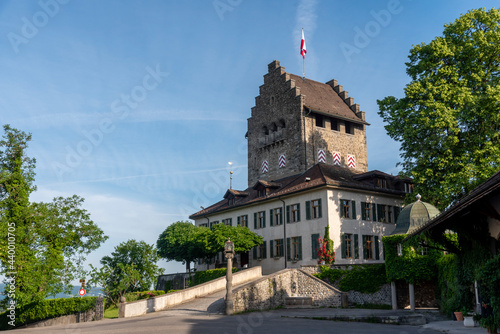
[(306, 18)]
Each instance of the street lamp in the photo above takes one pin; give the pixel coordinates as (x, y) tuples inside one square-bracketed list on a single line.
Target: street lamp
[(229, 254)]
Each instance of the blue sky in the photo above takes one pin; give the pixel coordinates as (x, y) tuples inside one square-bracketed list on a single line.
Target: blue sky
[(138, 106)]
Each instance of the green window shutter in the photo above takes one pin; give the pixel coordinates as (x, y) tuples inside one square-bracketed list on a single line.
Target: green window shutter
[(281, 216), (377, 249), (320, 213), (264, 250), (353, 203), (342, 208), (300, 248), (363, 210), (365, 251), (255, 257), (298, 212), (255, 220), (308, 210), (230, 221), (271, 217), (263, 219), (288, 213), (239, 220), (271, 248), (288, 249), (343, 246), (314, 245), (374, 212), (380, 212), (356, 247), (281, 247)]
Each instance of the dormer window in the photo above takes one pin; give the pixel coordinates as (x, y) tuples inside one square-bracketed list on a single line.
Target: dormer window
[(382, 183)]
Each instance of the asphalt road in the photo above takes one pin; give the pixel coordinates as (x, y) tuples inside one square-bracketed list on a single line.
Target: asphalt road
[(204, 316)]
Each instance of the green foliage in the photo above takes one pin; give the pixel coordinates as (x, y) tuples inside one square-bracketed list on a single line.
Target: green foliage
[(364, 279), (411, 266), (448, 122), (241, 236), (47, 309), (185, 242), (448, 287), (489, 284), (51, 239), (138, 295), (201, 277), (326, 252), (131, 267)]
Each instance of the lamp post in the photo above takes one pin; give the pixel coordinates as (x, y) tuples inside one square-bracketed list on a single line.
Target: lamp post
[(229, 254)]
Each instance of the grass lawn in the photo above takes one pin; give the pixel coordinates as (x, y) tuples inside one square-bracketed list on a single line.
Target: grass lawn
[(111, 312)]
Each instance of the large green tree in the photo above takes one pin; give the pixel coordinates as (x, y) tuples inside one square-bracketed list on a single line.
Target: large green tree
[(183, 242), (448, 122), (131, 267), (42, 245)]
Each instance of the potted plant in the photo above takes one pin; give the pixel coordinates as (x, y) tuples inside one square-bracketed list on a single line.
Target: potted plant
[(459, 315)]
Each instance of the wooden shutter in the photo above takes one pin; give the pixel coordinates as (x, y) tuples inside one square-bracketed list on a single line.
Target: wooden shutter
[(343, 246), (374, 212), (356, 247), (281, 216), (298, 212), (314, 245), (255, 256), (271, 217), (255, 220), (377, 248), (239, 220), (308, 210), (288, 213), (363, 210), (263, 219), (380, 212), (342, 215), (300, 248), (397, 210), (271, 248), (320, 213), (365, 250), (264, 250), (353, 204), (288, 253)]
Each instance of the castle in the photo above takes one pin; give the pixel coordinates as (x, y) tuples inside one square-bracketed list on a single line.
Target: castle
[(308, 169)]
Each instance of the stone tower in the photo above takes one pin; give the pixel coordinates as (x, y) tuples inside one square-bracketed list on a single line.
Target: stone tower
[(298, 122)]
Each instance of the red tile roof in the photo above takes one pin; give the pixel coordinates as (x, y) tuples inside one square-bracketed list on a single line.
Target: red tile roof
[(317, 176)]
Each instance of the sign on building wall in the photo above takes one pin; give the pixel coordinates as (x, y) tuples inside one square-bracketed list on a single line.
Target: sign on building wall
[(265, 167), (321, 156), (282, 161), (336, 158), (351, 161)]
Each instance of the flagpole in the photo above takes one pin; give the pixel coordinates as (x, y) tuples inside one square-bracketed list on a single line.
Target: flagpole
[(303, 68)]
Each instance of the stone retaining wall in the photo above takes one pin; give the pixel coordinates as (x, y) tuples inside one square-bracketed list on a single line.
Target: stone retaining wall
[(271, 291)]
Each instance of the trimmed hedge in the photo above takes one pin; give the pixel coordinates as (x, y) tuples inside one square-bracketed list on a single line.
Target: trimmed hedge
[(138, 295), (47, 309), (208, 275), (364, 279)]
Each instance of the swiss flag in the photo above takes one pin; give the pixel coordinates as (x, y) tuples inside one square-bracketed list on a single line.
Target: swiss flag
[(303, 50)]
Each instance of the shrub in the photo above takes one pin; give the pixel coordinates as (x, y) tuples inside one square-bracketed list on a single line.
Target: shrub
[(489, 284), (138, 295), (208, 275), (47, 309), (364, 279)]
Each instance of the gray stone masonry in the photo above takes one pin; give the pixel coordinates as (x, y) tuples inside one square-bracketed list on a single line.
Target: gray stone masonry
[(273, 290), (280, 125)]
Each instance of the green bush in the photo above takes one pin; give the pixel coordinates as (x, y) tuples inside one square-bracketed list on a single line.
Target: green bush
[(47, 309), (138, 295), (365, 279), (489, 285), (208, 275)]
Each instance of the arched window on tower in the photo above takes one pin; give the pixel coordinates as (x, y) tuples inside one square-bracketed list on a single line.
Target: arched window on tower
[(274, 127), (282, 124), (265, 130)]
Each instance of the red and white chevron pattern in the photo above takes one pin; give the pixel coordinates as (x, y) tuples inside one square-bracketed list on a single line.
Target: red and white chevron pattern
[(351, 161), (321, 156), (282, 161), (265, 167), (336, 158)]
